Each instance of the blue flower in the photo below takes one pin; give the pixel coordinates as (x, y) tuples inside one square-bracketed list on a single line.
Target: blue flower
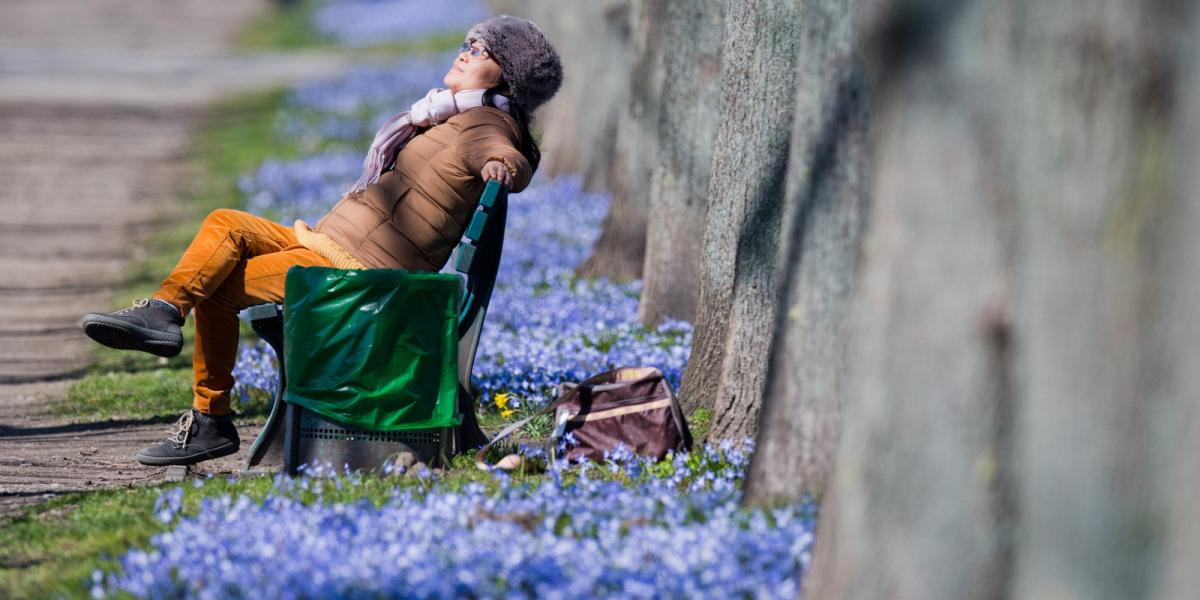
[(168, 504), (671, 529)]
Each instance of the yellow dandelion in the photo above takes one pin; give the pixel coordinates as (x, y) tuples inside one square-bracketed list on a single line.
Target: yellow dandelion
[(502, 400), (507, 413)]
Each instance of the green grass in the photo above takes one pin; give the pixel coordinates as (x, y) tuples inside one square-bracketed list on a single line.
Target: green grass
[(698, 423), (142, 394), (52, 549)]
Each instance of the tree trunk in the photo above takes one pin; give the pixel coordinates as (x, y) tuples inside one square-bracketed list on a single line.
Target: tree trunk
[(740, 263), (1026, 336), (621, 248), (922, 497), (827, 197), (686, 122), (1176, 266), (1093, 118)]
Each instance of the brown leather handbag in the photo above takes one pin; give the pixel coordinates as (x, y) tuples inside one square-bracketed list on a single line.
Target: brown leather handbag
[(632, 406)]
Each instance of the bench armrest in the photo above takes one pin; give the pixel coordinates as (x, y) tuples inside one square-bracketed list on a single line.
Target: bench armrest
[(259, 312)]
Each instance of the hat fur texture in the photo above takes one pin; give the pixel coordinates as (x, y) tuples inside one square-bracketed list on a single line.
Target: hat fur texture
[(527, 61)]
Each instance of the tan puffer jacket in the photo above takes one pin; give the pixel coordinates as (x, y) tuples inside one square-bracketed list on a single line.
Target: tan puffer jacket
[(415, 215)]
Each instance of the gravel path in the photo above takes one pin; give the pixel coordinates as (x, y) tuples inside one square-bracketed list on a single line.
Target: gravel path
[(97, 99)]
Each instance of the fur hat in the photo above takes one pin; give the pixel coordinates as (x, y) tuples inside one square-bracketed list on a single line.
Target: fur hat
[(527, 60)]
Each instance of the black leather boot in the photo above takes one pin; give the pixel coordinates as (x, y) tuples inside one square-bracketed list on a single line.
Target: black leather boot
[(197, 437), (150, 325)]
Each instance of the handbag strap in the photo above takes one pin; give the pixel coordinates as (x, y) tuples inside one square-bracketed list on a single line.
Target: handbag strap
[(480, 460)]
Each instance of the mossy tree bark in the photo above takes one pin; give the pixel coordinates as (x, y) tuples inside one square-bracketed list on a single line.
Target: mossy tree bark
[(739, 270)]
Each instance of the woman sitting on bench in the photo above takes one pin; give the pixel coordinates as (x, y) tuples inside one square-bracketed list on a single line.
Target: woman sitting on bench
[(422, 176)]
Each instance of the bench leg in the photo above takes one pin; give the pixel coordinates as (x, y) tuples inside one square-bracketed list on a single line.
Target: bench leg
[(469, 435), (291, 439), (266, 454)]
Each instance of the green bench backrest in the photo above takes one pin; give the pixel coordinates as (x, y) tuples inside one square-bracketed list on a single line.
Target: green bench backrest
[(478, 257), (478, 254)]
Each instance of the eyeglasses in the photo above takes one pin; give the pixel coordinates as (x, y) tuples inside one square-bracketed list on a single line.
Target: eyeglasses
[(475, 51)]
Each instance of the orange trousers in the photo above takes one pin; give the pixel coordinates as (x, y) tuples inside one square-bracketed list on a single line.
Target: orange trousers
[(236, 260)]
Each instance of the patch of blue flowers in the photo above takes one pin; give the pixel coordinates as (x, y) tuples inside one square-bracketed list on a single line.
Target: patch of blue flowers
[(626, 528), (544, 325), (358, 23)]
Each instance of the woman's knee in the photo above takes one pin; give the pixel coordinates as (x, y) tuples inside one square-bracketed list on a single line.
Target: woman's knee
[(223, 217)]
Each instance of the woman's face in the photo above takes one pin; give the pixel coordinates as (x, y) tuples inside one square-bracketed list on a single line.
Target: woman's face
[(472, 72)]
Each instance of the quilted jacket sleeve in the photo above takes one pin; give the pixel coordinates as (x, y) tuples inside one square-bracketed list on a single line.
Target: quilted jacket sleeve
[(491, 138)]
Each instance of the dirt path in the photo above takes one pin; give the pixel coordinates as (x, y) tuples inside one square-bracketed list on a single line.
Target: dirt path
[(97, 99)]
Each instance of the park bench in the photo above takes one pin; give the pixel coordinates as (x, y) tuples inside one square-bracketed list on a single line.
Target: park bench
[(294, 436)]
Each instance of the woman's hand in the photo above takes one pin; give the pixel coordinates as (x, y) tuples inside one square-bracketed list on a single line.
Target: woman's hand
[(494, 169)]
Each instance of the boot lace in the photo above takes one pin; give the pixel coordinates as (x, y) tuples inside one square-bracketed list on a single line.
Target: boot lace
[(183, 430), (139, 303)]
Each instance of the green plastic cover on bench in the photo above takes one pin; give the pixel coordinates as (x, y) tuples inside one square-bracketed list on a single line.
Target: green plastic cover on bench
[(376, 348)]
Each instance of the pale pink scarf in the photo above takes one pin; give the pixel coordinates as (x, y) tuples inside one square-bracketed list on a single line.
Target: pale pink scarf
[(437, 106)]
